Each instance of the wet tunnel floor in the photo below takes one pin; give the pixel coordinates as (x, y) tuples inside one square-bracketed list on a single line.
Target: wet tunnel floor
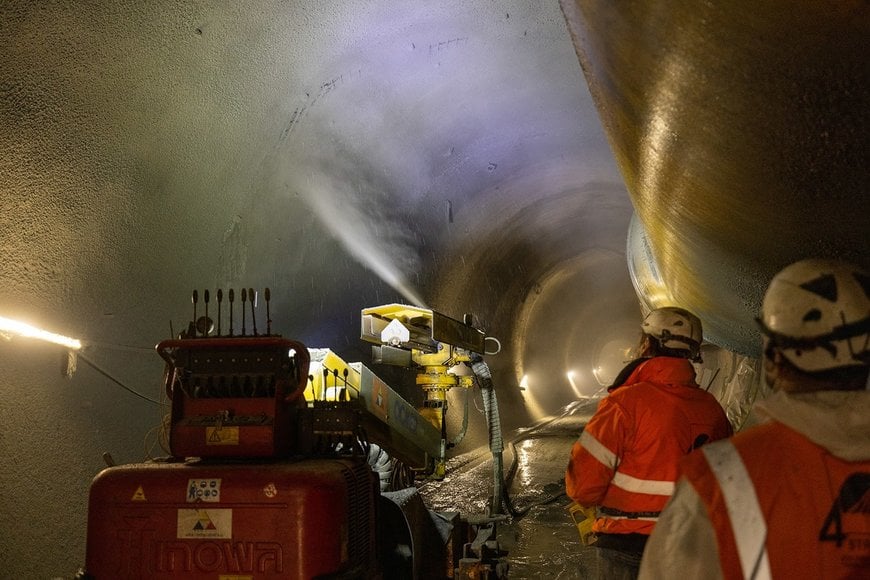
[(542, 542)]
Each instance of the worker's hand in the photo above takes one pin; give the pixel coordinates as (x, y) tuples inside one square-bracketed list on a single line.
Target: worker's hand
[(583, 518)]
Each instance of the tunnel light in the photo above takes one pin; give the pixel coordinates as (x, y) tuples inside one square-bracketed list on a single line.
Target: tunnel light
[(533, 406), (596, 372), (571, 376), (9, 326), (524, 383)]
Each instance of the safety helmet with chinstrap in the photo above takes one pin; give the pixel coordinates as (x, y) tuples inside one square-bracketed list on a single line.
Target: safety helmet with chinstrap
[(817, 314), (675, 329)]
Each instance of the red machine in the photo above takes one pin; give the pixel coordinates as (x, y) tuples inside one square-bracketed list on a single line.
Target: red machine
[(234, 397), (268, 477), (198, 520)]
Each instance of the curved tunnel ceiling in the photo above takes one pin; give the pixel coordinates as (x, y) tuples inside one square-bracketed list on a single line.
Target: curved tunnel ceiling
[(742, 131)]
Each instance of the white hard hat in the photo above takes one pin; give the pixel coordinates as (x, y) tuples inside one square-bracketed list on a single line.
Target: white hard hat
[(676, 329), (817, 313)]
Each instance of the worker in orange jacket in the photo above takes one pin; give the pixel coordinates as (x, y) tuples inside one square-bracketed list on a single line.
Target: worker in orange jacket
[(625, 461), (789, 498)]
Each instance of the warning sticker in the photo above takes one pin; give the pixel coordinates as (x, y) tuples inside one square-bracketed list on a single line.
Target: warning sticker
[(380, 398), (203, 490), (221, 435), (139, 495), (212, 523)]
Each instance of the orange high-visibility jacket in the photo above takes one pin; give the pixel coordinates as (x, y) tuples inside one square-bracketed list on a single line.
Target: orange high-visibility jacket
[(784, 507), (626, 460)]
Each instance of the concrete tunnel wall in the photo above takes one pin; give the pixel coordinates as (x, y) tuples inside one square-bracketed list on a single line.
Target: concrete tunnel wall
[(344, 154)]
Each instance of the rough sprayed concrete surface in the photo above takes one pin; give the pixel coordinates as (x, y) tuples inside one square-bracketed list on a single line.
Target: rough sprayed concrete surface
[(345, 154)]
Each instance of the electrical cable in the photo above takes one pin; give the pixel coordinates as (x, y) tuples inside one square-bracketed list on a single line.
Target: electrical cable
[(97, 368), (117, 346)]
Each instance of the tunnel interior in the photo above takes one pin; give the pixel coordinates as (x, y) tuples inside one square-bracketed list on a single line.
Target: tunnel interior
[(553, 169)]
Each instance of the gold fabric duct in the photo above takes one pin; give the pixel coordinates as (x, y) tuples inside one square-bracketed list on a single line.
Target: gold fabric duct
[(741, 129)]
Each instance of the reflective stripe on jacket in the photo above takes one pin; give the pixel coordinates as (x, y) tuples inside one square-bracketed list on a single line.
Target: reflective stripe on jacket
[(783, 507), (626, 458)]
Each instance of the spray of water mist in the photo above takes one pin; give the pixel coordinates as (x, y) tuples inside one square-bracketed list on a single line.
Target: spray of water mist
[(363, 223)]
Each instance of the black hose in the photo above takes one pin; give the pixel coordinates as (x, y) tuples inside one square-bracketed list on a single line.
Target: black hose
[(508, 481), (513, 510)]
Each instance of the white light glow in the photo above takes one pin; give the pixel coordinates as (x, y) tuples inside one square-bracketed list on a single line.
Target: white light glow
[(597, 373), (22, 329), (571, 376), (532, 403)]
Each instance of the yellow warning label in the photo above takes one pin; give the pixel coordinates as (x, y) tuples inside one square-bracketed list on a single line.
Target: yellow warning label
[(139, 495), (222, 436)]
